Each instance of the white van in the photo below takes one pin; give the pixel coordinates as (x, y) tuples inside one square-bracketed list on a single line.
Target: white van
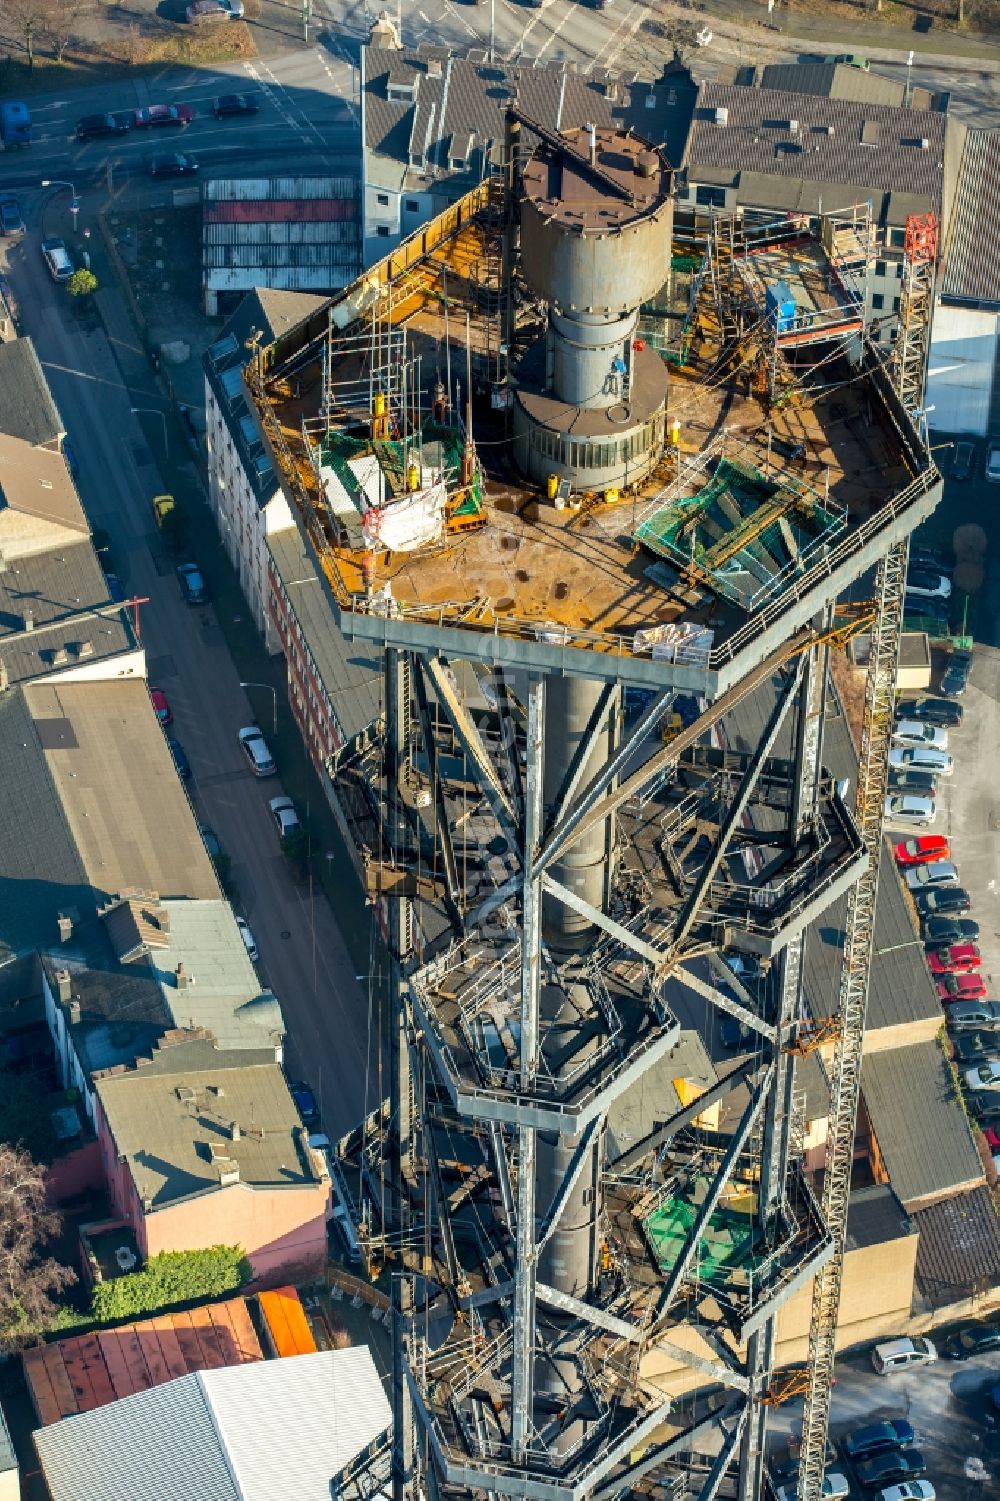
[(897, 1354)]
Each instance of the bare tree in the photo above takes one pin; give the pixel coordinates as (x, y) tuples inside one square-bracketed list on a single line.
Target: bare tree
[(27, 19), (59, 23), (29, 1280)]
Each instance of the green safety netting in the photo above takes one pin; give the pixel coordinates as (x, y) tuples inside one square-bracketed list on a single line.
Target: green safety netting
[(727, 1243)]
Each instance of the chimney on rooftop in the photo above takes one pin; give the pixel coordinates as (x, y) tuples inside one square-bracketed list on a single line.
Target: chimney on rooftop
[(65, 927), (73, 1011), (181, 978), (64, 984), (29, 621), (4, 678), (234, 1130)]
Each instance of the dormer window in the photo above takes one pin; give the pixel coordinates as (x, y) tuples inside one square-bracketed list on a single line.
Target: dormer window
[(402, 87), (460, 152)]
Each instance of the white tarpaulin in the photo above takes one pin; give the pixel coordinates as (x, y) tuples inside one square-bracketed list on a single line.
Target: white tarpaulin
[(405, 524)]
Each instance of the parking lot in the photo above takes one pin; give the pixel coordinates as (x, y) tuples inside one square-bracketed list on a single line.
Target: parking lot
[(948, 1405)]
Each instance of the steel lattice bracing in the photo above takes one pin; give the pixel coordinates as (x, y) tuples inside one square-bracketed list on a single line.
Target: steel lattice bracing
[(590, 1230)]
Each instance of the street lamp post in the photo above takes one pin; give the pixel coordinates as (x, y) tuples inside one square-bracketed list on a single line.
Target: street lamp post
[(59, 182), (155, 412), (266, 687)]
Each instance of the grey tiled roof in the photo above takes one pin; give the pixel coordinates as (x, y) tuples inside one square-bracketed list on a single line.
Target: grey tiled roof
[(469, 98), (757, 139), (58, 588), (836, 81), (928, 1150), (27, 409), (972, 254), (350, 671), (92, 806), (959, 1250)]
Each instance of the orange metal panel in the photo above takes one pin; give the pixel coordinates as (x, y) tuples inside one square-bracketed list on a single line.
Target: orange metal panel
[(110, 1342), (246, 1334), (97, 1370), (170, 1346), (79, 1378), (272, 1307), (56, 1368), (46, 1403), (132, 1350), (201, 1321), (190, 1345), (149, 1344)]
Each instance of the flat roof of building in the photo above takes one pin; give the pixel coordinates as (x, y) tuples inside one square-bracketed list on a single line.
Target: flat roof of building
[(172, 1120), (922, 1131)]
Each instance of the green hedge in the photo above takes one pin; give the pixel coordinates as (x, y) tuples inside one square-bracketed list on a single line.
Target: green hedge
[(171, 1278)]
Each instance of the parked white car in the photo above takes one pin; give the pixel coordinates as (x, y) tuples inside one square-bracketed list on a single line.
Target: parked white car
[(249, 942), (933, 873), (918, 811), (703, 37), (917, 732), (983, 1076), (899, 1354), (286, 820), (910, 1490), (921, 758)]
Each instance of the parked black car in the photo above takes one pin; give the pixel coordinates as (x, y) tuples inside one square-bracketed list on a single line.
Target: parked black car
[(889, 1469), (862, 1443), (941, 932), (91, 127), (976, 1340), (931, 710), (174, 165), (955, 678), (943, 901), (921, 783), (976, 1047)]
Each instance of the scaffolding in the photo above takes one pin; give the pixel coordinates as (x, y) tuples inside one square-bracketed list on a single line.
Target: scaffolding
[(916, 308)]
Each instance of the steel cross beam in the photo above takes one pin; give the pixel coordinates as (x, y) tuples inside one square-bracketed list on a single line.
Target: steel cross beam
[(739, 1138), (576, 1166), (663, 1132), (599, 800), (469, 738), (595, 729), (522, 1370), (738, 807), (652, 1459), (725, 1003), (441, 825), (658, 958)]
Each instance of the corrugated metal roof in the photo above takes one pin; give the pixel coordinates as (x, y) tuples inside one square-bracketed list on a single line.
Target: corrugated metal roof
[(921, 1129), (278, 210), (972, 255), (833, 81), (264, 189), (244, 1433), (757, 138), (350, 671)]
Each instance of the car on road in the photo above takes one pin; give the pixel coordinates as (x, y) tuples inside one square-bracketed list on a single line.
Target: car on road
[(917, 733), (249, 942), (234, 104), (927, 583), (940, 932), (11, 222), (955, 677), (978, 1339), (93, 127), (876, 1438), (163, 711), (975, 1047), (935, 710), (934, 873), (921, 758), (115, 591), (965, 1016), (945, 901), (173, 164), (192, 584), (285, 817), (963, 460), (305, 1103), (993, 462), (983, 1076), (910, 1490), (254, 747), (210, 839), (922, 848), (967, 987), (984, 1106), (902, 808), (922, 783), (181, 761), (956, 960), (899, 1354), (155, 115), (849, 59), (58, 260), (786, 1466), (898, 1464)]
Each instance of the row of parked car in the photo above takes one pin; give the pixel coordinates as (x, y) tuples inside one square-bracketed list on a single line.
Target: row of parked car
[(880, 1456)]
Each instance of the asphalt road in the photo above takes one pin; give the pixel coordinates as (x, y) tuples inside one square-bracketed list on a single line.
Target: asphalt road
[(303, 956), (306, 119)]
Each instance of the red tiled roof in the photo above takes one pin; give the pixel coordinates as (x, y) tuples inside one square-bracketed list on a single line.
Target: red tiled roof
[(281, 211)]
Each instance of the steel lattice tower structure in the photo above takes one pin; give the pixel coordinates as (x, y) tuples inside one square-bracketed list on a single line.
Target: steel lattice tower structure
[(575, 1312)]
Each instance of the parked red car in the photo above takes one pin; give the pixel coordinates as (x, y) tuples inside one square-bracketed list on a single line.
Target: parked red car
[(992, 1138), (961, 988), (957, 960), (164, 713), (924, 847)]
